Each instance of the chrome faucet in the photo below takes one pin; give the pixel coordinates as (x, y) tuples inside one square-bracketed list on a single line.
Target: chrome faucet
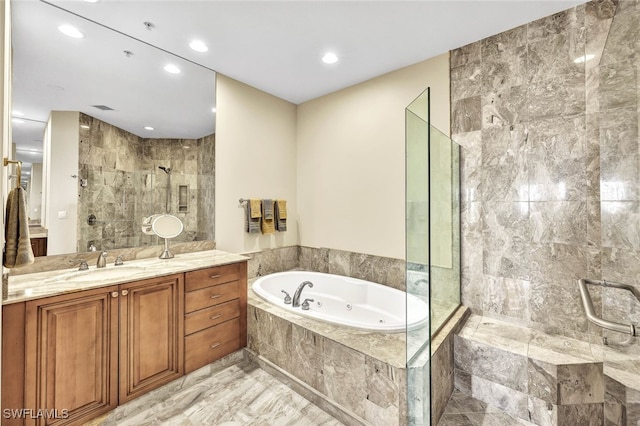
[(296, 295), (102, 260)]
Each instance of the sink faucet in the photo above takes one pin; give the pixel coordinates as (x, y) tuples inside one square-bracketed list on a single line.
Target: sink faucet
[(296, 295), (102, 260)]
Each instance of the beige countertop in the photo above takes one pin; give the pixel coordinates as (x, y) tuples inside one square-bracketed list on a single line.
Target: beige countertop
[(53, 283), (37, 232)]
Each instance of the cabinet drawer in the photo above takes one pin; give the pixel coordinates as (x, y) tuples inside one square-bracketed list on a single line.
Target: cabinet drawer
[(210, 296), (209, 317), (202, 278), (213, 343)]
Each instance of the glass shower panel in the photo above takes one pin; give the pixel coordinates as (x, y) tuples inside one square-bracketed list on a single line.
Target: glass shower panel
[(432, 246), (444, 241), (417, 258)]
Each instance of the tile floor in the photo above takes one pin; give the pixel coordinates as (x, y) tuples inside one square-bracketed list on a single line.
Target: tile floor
[(240, 395), (245, 395)]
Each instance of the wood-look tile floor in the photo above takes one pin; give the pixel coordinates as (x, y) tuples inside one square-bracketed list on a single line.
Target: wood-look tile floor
[(242, 394), (463, 410)]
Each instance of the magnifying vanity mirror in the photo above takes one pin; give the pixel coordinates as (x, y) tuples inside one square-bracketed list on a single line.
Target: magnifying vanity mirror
[(167, 226), (94, 119)]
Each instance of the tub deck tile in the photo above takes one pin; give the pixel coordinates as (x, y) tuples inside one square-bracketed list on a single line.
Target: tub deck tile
[(387, 347)]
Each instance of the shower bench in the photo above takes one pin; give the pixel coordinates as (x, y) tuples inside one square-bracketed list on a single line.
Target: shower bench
[(545, 379)]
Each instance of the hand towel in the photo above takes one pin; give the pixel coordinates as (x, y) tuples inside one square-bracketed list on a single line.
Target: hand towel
[(253, 215), (17, 250), (280, 210), (256, 208), (267, 224)]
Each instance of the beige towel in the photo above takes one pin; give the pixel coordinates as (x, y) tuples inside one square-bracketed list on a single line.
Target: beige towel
[(17, 250), (255, 206)]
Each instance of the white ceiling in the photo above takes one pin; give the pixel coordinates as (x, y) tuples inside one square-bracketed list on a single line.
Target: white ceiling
[(275, 46)]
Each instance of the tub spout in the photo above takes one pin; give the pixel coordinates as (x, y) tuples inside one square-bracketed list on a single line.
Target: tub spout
[(296, 295)]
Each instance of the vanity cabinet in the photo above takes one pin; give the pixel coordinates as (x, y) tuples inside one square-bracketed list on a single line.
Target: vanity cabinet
[(151, 334), (215, 313), (39, 246), (71, 348), (79, 355), (87, 352)]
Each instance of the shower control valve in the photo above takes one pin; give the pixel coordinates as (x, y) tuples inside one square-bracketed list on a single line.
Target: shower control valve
[(287, 298), (305, 304)]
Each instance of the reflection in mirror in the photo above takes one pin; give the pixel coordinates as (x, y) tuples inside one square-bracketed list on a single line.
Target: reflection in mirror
[(167, 226), (94, 118)]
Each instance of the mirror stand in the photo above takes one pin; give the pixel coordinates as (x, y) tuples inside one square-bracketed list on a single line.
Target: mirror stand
[(166, 254)]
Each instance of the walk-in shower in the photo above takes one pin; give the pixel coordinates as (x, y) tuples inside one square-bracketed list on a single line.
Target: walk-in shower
[(432, 243)]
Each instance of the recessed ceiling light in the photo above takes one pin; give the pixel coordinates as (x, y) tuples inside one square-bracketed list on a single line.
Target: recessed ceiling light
[(84, 126), (17, 113), (198, 46), (70, 31), (584, 58), (170, 68), (330, 58), (148, 128), (92, 1), (17, 120)]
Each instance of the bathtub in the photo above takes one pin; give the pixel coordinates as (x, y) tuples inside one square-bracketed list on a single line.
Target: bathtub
[(346, 301)]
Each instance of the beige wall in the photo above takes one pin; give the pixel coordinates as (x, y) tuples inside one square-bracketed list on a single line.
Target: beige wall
[(255, 158), (351, 159), (61, 149)]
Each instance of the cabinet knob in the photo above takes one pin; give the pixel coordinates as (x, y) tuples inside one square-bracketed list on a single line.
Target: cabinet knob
[(114, 294), (125, 292)]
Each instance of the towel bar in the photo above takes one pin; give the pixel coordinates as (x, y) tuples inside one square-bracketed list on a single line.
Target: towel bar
[(601, 322)]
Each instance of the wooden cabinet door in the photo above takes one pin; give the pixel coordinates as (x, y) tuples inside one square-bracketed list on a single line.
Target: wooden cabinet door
[(71, 344), (151, 334)]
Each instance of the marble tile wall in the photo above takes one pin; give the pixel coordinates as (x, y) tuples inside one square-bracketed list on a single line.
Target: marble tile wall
[(125, 185), (551, 175), (530, 121), (382, 270), (206, 187)]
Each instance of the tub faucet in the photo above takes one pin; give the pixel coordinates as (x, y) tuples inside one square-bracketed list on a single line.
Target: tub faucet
[(296, 295)]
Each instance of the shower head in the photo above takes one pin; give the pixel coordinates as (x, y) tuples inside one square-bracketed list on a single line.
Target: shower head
[(167, 170)]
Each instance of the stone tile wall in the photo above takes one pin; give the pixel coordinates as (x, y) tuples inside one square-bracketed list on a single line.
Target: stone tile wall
[(536, 134), (125, 185), (382, 270), (551, 172)]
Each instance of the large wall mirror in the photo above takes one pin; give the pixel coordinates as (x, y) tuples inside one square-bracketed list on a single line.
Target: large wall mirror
[(110, 130)]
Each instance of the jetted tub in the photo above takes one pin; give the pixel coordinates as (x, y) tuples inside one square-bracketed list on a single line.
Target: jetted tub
[(346, 301)]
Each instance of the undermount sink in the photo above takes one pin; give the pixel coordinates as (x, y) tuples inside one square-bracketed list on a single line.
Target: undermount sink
[(98, 274)]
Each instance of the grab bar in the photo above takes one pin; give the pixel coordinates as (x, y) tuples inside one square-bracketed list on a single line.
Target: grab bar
[(588, 305)]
